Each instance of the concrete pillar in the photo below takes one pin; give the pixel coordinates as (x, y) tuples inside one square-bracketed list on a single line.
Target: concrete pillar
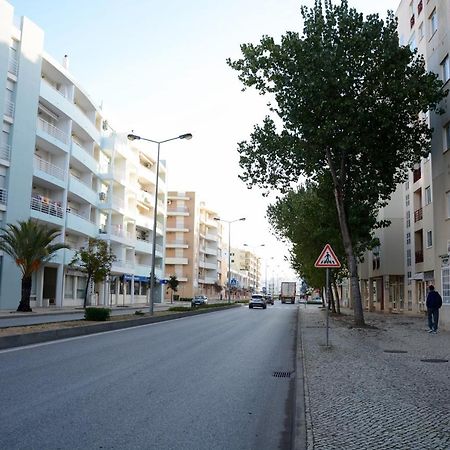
[(132, 290), (59, 294), (39, 286)]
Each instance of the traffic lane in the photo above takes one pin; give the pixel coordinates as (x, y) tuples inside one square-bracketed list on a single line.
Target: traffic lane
[(206, 382)]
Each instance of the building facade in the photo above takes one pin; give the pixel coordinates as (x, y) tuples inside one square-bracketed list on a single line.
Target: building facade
[(63, 166), (193, 246), (425, 25)]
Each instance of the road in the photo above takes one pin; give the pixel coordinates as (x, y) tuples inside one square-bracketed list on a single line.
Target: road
[(201, 382)]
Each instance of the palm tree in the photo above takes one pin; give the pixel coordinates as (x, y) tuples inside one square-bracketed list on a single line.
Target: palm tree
[(30, 245)]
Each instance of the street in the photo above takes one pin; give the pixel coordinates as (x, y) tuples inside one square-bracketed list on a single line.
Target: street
[(203, 382)]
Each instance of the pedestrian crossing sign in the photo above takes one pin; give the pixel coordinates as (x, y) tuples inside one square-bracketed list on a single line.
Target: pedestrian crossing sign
[(327, 258)]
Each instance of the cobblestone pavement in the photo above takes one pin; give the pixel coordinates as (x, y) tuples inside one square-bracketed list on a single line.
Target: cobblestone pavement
[(359, 396)]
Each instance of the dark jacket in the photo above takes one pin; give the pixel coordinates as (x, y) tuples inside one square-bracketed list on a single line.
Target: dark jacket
[(434, 300)]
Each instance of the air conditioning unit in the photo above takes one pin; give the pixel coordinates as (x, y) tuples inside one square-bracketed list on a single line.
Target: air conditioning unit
[(102, 196)]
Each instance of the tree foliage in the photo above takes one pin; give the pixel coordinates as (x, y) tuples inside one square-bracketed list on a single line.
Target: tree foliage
[(351, 104), (172, 284), (95, 260), (31, 245)]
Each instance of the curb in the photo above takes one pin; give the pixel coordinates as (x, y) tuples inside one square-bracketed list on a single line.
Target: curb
[(20, 340), (300, 422)]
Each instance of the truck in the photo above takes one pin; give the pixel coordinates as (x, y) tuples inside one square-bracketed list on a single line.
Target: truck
[(287, 292)]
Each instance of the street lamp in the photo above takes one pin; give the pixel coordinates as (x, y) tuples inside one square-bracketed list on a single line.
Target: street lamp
[(256, 280), (134, 137), (229, 222)]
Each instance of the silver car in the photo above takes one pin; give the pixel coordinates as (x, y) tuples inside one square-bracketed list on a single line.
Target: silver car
[(257, 300)]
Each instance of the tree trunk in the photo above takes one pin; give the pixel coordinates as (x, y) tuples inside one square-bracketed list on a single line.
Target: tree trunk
[(332, 305), (338, 300), (86, 291), (347, 241), (24, 305)]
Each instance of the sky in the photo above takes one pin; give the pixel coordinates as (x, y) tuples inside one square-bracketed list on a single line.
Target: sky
[(158, 67)]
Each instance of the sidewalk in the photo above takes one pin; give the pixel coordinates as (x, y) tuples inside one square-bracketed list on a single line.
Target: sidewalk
[(370, 389)]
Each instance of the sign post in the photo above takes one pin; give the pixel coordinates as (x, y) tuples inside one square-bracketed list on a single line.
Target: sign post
[(327, 259)]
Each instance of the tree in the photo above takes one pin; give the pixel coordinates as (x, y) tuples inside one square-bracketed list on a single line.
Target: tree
[(31, 245), (350, 103), (218, 288), (95, 260), (172, 284)]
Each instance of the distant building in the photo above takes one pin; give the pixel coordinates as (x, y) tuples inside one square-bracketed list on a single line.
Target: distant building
[(193, 246)]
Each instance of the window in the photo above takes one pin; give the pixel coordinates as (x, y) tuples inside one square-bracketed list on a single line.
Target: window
[(446, 285), (408, 257), (408, 219), (446, 137), (433, 22), (421, 34), (81, 286), (408, 238), (68, 286), (409, 277), (427, 195), (413, 43), (445, 64), (406, 185), (429, 238), (407, 200)]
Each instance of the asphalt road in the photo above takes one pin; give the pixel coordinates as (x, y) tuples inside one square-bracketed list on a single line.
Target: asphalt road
[(202, 382)]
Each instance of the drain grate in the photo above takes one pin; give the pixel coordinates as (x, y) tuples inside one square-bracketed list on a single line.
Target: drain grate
[(280, 374), (395, 351), (435, 360)]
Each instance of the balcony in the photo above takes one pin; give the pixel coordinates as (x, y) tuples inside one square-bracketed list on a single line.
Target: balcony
[(46, 209), (13, 65), (52, 131), (5, 152), (83, 190), (80, 223), (418, 215), (83, 155), (3, 196), (119, 231), (177, 211), (9, 109), (417, 174), (419, 256), (177, 244), (50, 169)]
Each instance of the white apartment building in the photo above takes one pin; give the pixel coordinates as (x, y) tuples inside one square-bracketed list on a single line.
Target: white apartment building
[(425, 25), (61, 165), (193, 245)]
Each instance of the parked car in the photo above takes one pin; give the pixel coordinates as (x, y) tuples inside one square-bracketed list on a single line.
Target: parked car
[(315, 300), (269, 299), (257, 300), (199, 300)]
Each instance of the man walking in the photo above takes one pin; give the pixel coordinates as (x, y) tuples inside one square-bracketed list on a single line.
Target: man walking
[(434, 302)]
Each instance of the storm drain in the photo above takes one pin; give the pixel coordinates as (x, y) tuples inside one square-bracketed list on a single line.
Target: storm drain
[(395, 351), (435, 360), (280, 374)]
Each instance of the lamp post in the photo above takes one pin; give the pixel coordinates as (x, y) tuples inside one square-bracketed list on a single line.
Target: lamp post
[(253, 247), (134, 137), (229, 222)]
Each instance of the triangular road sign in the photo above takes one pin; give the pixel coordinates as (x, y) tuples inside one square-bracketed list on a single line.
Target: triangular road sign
[(327, 258)]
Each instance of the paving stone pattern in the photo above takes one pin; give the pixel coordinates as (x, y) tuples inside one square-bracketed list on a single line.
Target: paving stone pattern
[(360, 397)]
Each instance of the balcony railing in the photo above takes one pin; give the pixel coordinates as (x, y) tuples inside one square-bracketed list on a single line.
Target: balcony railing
[(9, 109), (49, 207), (418, 215), (49, 168), (5, 151), (13, 65), (3, 196), (74, 212), (419, 256), (177, 242), (53, 131)]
